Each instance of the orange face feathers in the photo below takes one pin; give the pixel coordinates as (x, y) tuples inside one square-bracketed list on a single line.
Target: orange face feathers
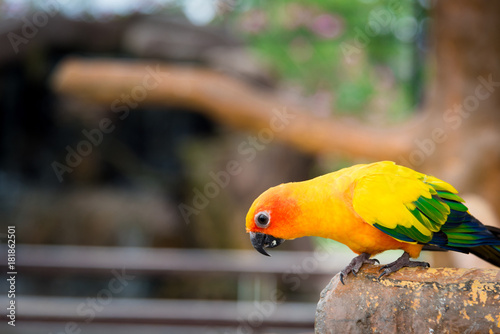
[(275, 213)]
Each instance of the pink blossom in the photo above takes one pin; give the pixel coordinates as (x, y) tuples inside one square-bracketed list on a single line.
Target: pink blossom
[(327, 26), (254, 21)]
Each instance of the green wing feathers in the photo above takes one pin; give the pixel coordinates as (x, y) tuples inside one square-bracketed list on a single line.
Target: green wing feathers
[(403, 203), (416, 208)]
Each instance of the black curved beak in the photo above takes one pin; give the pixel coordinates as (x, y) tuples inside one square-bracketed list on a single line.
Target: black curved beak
[(261, 241)]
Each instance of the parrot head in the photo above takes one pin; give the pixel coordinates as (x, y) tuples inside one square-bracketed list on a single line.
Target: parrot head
[(272, 218)]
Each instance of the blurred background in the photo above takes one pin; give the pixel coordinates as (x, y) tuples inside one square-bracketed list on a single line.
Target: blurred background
[(136, 134)]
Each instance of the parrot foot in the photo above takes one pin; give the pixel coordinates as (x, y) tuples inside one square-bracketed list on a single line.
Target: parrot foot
[(403, 261), (356, 264)]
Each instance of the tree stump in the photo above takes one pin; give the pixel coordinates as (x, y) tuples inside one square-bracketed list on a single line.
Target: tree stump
[(412, 300)]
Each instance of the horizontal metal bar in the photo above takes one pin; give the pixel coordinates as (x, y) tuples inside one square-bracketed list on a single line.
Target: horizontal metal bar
[(47, 327), (173, 312), (162, 260)]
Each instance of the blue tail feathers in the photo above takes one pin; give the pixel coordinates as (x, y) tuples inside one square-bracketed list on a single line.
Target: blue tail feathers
[(464, 233)]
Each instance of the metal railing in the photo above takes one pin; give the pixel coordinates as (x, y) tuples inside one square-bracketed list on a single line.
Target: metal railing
[(253, 311)]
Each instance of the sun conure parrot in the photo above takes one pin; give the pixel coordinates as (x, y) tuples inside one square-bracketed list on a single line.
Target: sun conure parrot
[(372, 208)]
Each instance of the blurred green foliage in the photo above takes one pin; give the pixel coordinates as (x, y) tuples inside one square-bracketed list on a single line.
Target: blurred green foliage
[(361, 56)]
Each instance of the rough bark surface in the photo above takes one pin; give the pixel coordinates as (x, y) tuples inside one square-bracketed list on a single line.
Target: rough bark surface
[(412, 300)]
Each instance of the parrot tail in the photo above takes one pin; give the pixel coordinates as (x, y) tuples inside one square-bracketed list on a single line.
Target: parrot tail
[(489, 253), (464, 233)]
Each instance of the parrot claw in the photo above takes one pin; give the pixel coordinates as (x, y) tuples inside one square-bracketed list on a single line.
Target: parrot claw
[(385, 272), (355, 265), (403, 261)]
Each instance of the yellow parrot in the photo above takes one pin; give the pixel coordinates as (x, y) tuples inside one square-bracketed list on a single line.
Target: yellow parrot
[(372, 208)]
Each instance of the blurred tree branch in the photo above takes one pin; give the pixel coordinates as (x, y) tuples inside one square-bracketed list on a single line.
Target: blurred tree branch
[(229, 101)]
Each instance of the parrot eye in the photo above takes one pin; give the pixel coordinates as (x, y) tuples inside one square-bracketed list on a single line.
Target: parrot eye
[(262, 219)]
